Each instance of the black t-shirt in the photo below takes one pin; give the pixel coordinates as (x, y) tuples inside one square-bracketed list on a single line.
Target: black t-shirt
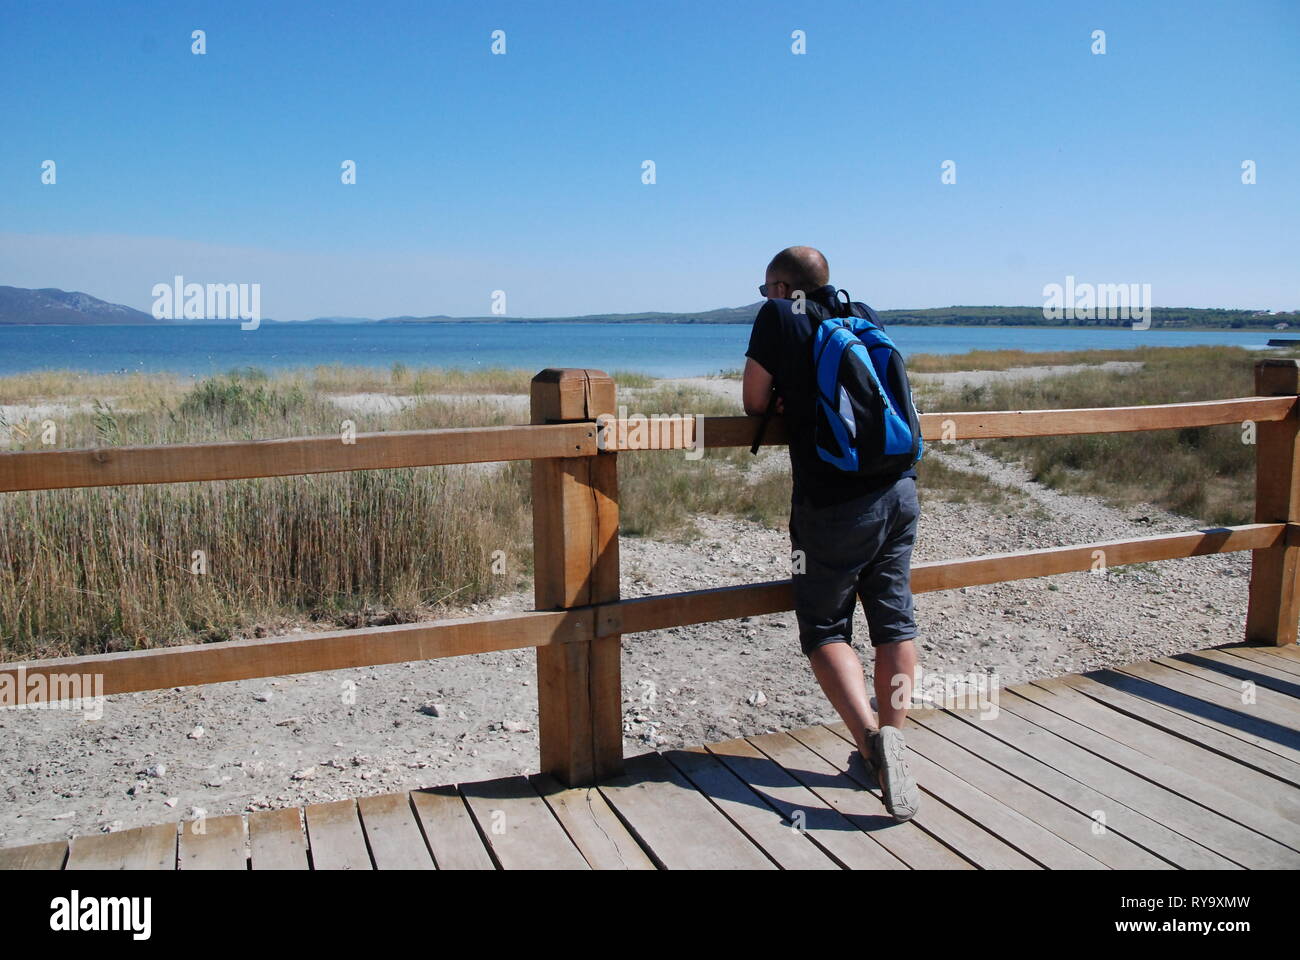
[(781, 343)]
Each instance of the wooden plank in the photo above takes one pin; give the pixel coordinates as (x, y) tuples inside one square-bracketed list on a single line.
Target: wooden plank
[(1107, 765), (519, 827), (1224, 744), (1269, 703), (789, 848), (334, 836), (1226, 773), (594, 828), (1026, 564), (276, 656), (1229, 788), (1274, 599), (817, 758), (695, 606), (622, 435), (1279, 681), (776, 596), (1248, 729), (1043, 761), (671, 431), (450, 831), (950, 827), (219, 847), (143, 848), (35, 856), (675, 823), (1255, 655), (294, 456), (1291, 652), (575, 563), (683, 431), (276, 840), (816, 819), (1277, 730), (1072, 826), (393, 833), (193, 664), (992, 838), (1156, 416)]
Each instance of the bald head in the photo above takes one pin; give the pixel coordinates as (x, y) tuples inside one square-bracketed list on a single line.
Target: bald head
[(803, 268)]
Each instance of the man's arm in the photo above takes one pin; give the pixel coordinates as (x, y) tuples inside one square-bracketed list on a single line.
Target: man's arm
[(756, 389), (760, 359)]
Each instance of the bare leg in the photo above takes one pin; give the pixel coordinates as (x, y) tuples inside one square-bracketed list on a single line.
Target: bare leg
[(839, 671), (895, 667)]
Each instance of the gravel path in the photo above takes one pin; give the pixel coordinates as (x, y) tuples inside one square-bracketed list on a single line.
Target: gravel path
[(977, 378)]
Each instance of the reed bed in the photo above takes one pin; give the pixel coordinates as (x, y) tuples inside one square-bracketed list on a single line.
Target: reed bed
[(1206, 473), (104, 569)]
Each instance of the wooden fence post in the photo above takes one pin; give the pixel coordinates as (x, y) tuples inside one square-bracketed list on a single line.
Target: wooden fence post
[(1275, 572), (575, 553)]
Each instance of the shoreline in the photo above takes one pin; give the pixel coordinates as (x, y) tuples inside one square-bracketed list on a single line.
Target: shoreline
[(171, 324), (270, 365)]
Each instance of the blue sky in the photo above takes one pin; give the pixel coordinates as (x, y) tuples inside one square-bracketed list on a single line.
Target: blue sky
[(523, 172)]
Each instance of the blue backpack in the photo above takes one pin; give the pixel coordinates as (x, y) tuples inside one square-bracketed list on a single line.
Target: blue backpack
[(865, 422)]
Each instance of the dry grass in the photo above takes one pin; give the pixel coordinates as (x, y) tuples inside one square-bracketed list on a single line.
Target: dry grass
[(942, 479), (1206, 473), (132, 388), (104, 569), (1006, 359), (110, 568), (660, 491), (400, 379)]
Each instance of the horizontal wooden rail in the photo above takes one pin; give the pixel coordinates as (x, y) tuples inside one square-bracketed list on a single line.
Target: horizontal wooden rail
[(1156, 416), (242, 459), (195, 664), (306, 653), (677, 431), (777, 596)]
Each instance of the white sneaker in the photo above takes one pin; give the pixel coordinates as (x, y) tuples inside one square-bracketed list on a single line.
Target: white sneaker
[(902, 796)]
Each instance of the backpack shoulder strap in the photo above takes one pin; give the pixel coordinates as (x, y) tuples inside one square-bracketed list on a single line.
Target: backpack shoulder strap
[(864, 312), (843, 308), (816, 312), (867, 326)]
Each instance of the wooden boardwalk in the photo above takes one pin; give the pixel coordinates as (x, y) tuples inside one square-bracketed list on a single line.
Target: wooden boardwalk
[(1151, 765)]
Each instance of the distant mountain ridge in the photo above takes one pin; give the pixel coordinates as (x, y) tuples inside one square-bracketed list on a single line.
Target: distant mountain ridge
[(52, 306), (49, 305), (743, 314)]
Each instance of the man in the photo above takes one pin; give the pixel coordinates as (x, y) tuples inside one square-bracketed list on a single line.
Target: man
[(849, 535)]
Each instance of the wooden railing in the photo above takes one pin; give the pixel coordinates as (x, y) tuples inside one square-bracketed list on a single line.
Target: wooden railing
[(574, 442)]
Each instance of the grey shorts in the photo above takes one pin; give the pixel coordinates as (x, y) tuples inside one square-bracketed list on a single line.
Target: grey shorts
[(860, 548)]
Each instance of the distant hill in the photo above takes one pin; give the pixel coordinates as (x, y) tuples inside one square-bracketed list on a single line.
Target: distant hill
[(18, 305), (1172, 318), (51, 306), (743, 314)]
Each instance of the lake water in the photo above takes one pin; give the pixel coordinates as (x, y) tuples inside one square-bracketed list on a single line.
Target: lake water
[(659, 349)]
